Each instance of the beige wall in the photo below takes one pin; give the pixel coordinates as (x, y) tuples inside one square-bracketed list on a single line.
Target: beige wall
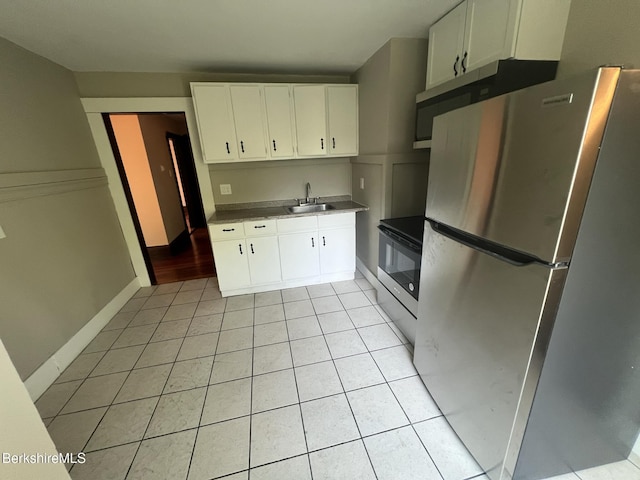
[(64, 257), (126, 129), (374, 95), (601, 32), (281, 180), (22, 429), (395, 176), (116, 84), (154, 130)]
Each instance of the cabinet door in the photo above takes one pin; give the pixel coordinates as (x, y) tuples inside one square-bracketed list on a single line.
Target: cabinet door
[(264, 260), (215, 122), (337, 250), (246, 101), (489, 32), (445, 47), (342, 106), (232, 266), (311, 120), (300, 257), (279, 120)]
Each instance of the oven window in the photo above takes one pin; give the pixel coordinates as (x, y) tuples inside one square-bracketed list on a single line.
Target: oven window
[(401, 267), (400, 263)]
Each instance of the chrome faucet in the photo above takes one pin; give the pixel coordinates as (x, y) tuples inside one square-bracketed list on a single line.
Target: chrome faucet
[(308, 199)]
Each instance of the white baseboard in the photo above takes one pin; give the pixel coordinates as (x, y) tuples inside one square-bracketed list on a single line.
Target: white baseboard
[(44, 376), (300, 282), (370, 276)]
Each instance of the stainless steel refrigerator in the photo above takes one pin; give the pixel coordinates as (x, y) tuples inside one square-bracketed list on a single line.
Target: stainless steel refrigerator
[(528, 333)]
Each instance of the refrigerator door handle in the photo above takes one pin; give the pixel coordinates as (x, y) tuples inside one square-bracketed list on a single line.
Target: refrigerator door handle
[(496, 250)]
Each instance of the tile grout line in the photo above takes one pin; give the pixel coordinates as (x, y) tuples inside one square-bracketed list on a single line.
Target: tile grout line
[(344, 392), (369, 351), (204, 403), (157, 402), (295, 380)]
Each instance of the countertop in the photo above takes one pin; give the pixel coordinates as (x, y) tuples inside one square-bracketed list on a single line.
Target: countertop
[(275, 210)]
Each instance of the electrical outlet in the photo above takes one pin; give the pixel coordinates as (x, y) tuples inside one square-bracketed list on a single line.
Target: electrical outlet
[(2, 234), (225, 189), (361, 183)]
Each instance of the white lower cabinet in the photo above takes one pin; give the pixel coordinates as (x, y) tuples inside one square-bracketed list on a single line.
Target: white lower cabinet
[(256, 256), (337, 239), (337, 250), (264, 260), (232, 264), (301, 255)]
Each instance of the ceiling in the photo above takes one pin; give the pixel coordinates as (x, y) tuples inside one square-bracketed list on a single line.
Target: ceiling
[(270, 36)]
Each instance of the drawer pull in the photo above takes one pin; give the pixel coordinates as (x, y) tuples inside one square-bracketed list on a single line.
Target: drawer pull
[(252, 249), (260, 226), (324, 244), (334, 142), (313, 245), (322, 143), (242, 146), (274, 146), (228, 229), (240, 247), (227, 144)]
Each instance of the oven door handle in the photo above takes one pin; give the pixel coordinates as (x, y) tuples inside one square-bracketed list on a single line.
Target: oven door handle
[(400, 239)]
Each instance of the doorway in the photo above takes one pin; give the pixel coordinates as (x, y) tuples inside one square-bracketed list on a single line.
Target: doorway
[(153, 155)]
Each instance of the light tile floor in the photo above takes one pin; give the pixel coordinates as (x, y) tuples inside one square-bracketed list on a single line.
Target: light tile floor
[(305, 383)]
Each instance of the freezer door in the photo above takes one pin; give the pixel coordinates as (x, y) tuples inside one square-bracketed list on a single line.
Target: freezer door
[(516, 169), (481, 325)]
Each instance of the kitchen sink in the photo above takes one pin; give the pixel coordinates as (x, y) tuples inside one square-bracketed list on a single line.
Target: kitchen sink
[(316, 207)]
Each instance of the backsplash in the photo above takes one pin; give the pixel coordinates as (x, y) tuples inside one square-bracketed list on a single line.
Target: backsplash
[(280, 180)]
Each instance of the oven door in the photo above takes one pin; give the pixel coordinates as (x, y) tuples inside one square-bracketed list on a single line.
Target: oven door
[(399, 258)]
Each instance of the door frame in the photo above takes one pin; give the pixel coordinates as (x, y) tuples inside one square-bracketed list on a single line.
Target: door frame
[(94, 108)]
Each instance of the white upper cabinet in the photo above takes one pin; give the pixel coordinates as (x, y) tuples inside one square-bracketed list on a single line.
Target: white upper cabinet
[(279, 121), (489, 30), (478, 32), (342, 107), (446, 39), (215, 121), (311, 120), (247, 104), (249, 122)]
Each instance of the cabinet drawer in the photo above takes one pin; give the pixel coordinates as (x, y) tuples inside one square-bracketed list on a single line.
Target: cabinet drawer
[(260, 227), (226, 231), (337, 220), (297, 224)]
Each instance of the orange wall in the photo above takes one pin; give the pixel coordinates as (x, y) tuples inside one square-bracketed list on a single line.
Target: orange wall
[(136, 164)]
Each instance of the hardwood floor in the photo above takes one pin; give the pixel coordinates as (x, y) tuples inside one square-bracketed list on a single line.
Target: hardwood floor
[(196, 261)]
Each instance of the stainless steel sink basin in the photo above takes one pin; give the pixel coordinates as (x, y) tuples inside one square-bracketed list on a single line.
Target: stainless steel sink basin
[(318, 207)]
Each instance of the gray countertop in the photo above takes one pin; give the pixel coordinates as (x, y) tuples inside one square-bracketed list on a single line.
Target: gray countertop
[(267, 210)]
